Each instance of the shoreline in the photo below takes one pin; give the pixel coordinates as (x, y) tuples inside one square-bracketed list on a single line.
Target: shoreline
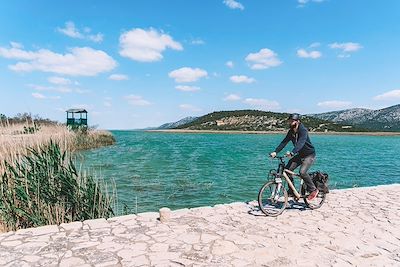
[(187, 131), (352, 228)]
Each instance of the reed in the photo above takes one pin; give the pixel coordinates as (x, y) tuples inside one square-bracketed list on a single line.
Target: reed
[(39, 182), (44, 187)]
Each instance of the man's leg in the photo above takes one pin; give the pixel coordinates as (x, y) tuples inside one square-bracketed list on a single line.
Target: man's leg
[(305, 166), (292, 165)]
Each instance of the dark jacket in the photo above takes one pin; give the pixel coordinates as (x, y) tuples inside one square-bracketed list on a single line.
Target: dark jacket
[(300, 140)]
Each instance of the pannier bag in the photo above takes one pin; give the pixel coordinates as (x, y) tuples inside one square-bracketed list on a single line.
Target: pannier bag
[(320, 180)]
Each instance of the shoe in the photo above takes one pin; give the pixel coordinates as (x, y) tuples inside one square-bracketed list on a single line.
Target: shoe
[(313, 195)]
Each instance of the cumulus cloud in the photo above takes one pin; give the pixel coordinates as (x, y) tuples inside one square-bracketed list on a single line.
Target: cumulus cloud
[(136, 100), (80, 61), (187, 75), (118, 77), (263, 59), (230, 64), (391, 95), (59, 80), (241, 79), (262, 104), (334, 104), (312, 54), (232, 4), (189, 107), (346, 48), (232, 97), (146, 45), (186, 88), (71, 31)]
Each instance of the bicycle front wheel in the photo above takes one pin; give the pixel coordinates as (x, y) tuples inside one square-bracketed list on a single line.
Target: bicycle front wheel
[(317, 202), (272, 198)]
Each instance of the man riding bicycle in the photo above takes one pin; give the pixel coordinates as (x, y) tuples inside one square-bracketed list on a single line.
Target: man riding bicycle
[(302, 154)]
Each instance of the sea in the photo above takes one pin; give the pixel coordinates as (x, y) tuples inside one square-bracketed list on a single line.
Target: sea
[(150, 170)]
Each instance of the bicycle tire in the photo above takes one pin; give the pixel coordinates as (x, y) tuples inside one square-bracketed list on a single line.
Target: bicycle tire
[(317, 202), (272, 207)]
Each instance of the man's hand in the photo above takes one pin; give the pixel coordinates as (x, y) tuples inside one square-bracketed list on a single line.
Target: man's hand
[(289, 154), (273, 154)]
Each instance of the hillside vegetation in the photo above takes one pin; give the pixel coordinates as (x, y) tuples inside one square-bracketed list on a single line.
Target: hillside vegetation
[(255, 120)]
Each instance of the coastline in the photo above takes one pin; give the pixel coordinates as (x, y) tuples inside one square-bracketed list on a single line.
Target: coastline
[(353, 228), (187, 131)]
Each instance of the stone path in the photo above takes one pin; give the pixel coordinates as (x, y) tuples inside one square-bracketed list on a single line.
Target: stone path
[(358, 227)]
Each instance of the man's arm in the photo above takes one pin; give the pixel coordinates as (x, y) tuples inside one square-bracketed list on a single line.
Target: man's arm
[(303, 133), (283, 143)]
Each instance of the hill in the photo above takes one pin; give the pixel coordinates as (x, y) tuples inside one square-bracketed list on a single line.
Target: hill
[(386, 119), (255, 120)]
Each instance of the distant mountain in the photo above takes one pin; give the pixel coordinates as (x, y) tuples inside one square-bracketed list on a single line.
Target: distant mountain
[(172, 125), (386, 119), (255, 120)]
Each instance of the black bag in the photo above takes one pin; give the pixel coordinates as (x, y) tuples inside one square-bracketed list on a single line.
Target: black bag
[(320, 180)]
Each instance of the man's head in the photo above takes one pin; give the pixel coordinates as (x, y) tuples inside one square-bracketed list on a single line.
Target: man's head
[(294, 120)]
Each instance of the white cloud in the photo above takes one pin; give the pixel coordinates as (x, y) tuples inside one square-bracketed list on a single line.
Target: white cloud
[(186, 88), (107, 104), (118, 77), (71, 31), (97, 38), (60, 89), (241, 79), (303, 2), (391, 95), (314, 45), (346, 48), (263, 104), (232, 4), (263, 59), (312, 54), (189, 107), (40, 96), (197, 41), (187, 75), (334, 104), (59, 80), (232, 97), (230, 64), (136, 100), (146, 46), (81, 61)]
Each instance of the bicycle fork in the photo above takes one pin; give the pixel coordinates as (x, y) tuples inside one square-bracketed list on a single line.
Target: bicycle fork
[(275, 194)]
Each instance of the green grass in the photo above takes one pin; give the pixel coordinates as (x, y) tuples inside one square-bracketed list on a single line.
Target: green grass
[(44, 187)]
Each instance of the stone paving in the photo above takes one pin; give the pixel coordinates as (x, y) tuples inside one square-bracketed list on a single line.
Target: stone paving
[(355, 227)]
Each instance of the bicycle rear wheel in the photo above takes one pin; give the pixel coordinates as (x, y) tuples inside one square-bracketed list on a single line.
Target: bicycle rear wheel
[(272, 198), (317, 202)]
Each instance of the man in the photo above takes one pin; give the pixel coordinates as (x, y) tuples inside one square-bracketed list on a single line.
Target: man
[(302, 154)]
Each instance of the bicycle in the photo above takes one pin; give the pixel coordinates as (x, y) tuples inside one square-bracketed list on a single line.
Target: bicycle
[(273, 197)]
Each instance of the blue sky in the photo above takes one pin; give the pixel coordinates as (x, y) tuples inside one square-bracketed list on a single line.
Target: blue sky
[(135, 64)]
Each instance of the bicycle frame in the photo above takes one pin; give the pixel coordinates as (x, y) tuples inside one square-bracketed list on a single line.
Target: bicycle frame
[(284, 172), (291, 185)]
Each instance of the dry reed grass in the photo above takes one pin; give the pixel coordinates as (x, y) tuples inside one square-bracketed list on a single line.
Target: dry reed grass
[(15, 145)]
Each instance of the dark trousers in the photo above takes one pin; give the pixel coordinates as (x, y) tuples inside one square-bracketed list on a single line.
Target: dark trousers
[(305, 163)]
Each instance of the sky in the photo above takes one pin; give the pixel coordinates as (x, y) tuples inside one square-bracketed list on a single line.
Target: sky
[(137, 64)]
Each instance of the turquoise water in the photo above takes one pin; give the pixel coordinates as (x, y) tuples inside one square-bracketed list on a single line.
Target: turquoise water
[(152, 170)]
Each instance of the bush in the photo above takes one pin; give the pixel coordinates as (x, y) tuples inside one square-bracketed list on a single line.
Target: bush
[(44, 187)]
